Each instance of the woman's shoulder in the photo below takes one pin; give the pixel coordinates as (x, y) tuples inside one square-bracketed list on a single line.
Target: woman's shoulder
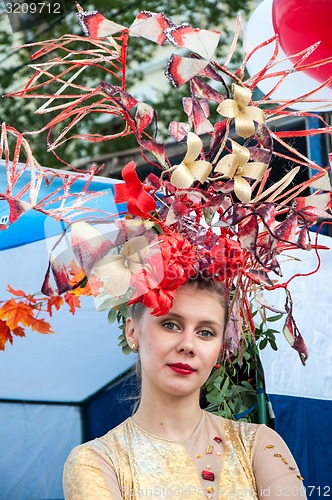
[(102, 446), (253, 436), (235, 431), (234, 425)]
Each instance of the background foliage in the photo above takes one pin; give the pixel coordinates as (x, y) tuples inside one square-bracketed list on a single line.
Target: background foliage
[(14, 65)]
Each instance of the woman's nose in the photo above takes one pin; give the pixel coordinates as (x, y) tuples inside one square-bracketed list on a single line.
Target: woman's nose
[(186, 342)]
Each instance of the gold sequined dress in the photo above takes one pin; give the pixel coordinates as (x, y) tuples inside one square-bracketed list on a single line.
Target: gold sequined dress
[(222, 459)]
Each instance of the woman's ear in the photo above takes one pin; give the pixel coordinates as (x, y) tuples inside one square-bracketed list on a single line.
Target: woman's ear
[(131, 333)]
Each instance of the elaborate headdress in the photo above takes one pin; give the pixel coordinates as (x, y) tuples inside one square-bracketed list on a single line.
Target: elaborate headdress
[(216, 213)]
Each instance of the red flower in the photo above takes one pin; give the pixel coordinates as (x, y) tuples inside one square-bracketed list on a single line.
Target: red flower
[(227, 259), (134, 192), (178, 258), (148, 291), (165, 271)]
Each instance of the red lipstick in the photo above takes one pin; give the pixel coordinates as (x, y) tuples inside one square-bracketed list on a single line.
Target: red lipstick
[(181, 368)]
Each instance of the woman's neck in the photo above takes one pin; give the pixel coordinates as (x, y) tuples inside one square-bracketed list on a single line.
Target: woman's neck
[(169, 418)]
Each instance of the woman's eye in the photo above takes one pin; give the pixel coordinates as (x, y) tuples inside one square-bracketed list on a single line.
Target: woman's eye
[(206, 333), (170, 325)]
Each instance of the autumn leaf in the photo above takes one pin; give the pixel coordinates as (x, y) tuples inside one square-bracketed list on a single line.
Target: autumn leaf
[(19, 331), (55, 301), (73, 301), (76, 272), (21, 293), (5, 335), (40, 326), (18, 293), (74, 268), (16, 312), (94, 285)]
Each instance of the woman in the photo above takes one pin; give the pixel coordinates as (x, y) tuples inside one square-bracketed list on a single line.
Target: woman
[(170, 446)]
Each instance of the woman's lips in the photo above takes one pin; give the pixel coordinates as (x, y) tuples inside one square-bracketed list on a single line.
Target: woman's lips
[(181, 368)]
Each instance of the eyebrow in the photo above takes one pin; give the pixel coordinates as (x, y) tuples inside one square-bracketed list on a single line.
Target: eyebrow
[(203, 322)]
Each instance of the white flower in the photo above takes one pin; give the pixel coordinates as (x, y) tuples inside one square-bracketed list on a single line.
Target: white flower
[(236, 166), (191, 169), (243, 114), (115, 270)]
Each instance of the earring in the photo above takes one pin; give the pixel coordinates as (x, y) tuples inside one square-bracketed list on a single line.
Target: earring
[(133, 346)]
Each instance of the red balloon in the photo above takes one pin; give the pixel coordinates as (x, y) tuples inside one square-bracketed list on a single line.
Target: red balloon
[(301, 23)]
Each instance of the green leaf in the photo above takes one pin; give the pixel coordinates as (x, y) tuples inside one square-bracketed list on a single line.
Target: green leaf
[(123, 309), (273, 345), (123, 343), (107, 304), (263, 343), (213, 398), (224, 387), (126, 349), (247, 385), (112, 315), (274, 318)]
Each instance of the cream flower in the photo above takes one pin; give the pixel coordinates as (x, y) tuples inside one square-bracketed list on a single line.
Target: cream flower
[(115, 270), (191, 169), (238, 108), (236, 166)]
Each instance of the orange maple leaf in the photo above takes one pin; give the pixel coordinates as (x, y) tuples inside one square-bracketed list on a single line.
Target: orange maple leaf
[(41, 326), (73, 301), (16, 312), (55, 301), (76, 272), (19, 331), (91, 287), (18, 293), (5, 335)]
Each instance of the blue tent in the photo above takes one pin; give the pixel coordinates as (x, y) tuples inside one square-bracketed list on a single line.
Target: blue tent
[(56, 390), (34, 225)]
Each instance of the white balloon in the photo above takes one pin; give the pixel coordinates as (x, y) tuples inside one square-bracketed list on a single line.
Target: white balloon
[(259, 29)]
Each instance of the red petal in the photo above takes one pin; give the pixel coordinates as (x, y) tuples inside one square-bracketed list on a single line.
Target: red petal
[(181, 69), (17, 208), (95, 25), (202, 42), (144, 116), (131, 179), (178, 130), (203, 89), (151, 26), (156, 149), (142, 205), (121, 193)]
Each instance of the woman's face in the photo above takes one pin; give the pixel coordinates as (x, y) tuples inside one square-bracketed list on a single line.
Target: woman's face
[(178, 351)]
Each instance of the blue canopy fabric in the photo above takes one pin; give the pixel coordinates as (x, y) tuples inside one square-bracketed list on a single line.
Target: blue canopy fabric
[(34, 225)]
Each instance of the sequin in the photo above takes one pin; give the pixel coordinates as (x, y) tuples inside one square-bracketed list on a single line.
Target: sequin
[(217, 439), (300, 478), (285, 461), (218, 454), (198, 455), (277, 455), (208, 475), (291, 467), (208, 467), (269, 446), (209, 450), (209, 492)]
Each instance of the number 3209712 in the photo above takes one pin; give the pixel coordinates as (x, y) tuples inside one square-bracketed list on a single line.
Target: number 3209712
[(33, 7)]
